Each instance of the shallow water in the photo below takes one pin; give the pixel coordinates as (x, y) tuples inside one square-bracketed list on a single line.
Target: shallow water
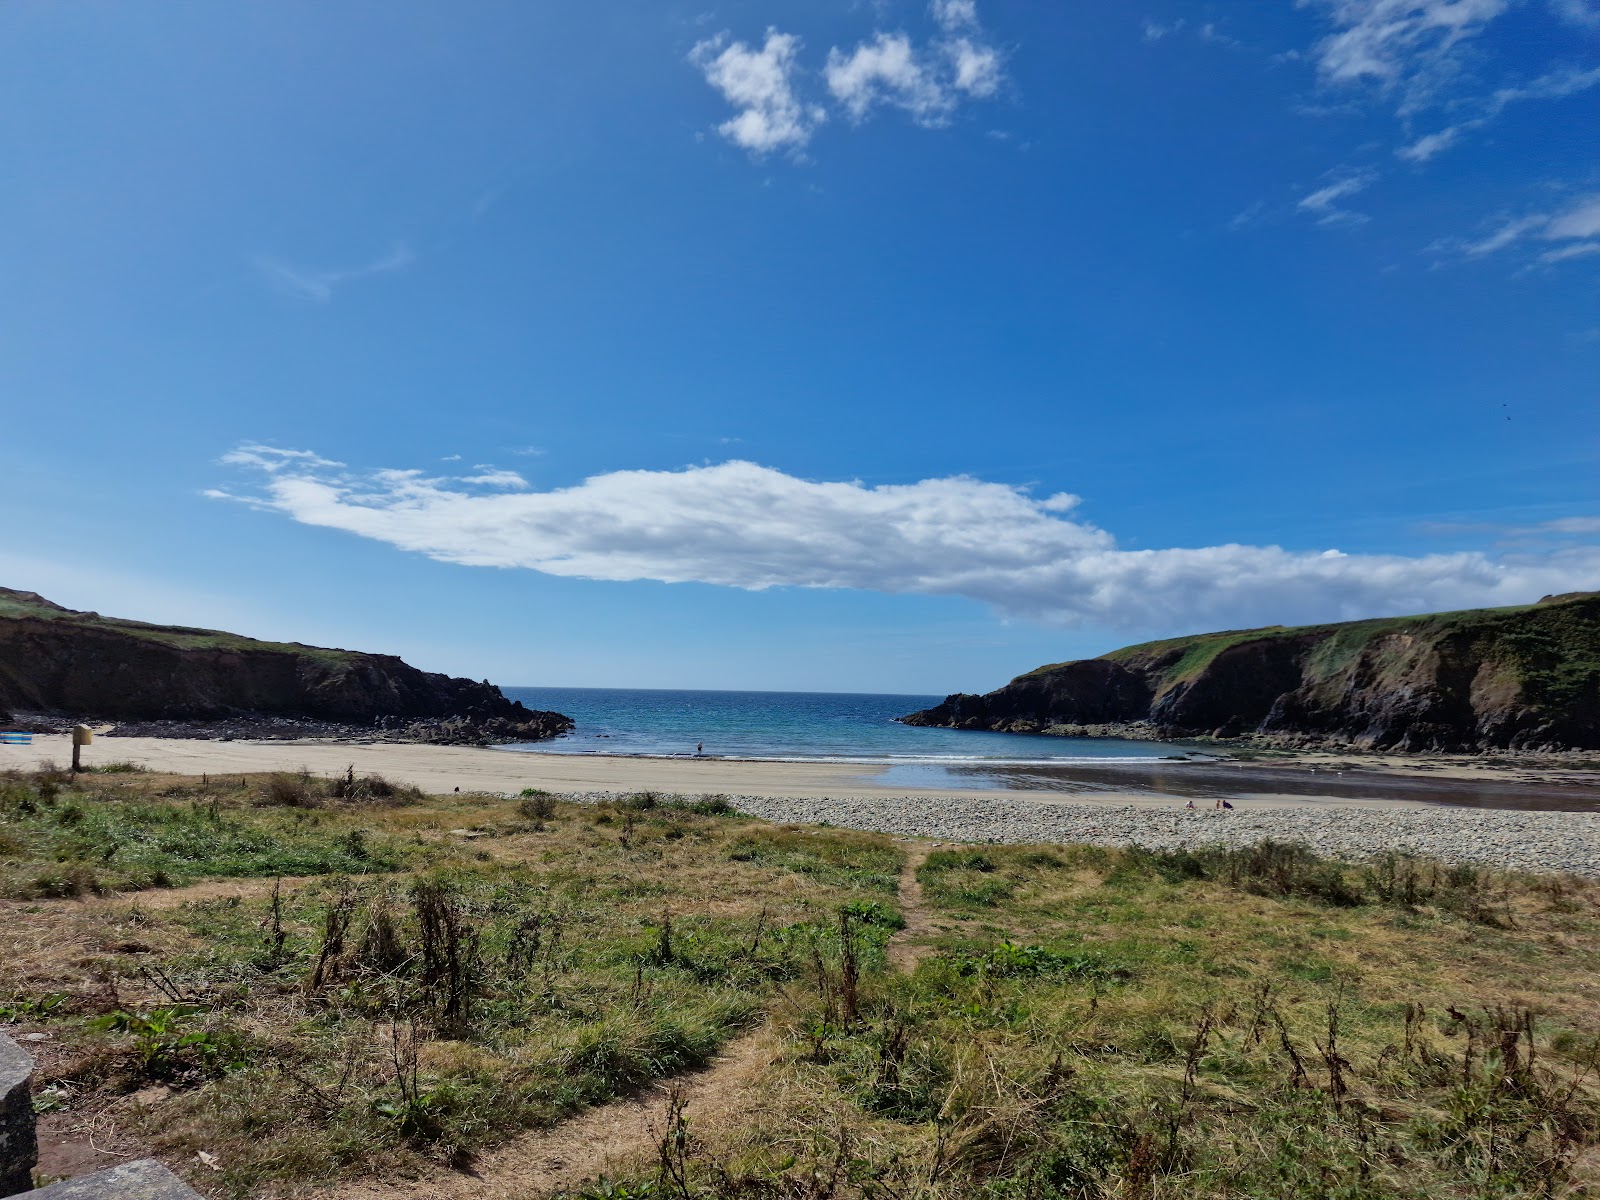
[(813, 726), (1209, 781), (856, 728)]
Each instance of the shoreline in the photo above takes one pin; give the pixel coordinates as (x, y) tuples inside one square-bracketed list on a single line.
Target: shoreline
[(1383, 812), (1316, 780)]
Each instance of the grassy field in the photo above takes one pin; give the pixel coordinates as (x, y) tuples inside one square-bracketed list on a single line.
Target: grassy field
[(433, 976)]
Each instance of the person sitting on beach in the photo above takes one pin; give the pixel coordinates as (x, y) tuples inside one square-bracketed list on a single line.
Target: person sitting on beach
[(1190, 803)]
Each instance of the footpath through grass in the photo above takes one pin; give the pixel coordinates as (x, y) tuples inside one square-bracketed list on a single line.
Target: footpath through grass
[(514, 962), (1092, 1022)]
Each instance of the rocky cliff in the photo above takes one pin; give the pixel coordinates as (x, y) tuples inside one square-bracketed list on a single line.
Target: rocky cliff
[(1524, 678), (56, 661)]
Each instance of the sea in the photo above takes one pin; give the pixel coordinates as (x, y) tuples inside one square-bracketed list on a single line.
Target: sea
[(840, 727), (850, 727)]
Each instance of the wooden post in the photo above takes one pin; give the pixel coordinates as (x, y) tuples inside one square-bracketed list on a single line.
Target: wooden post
[(82, 736)]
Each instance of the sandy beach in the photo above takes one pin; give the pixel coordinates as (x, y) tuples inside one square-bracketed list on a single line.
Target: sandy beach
[(1319, 781), (443, 769)]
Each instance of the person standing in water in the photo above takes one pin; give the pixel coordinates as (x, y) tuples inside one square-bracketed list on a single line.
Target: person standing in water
[(699, 749)]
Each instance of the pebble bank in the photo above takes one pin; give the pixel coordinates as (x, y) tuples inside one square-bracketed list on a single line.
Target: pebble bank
[(1510, 840)]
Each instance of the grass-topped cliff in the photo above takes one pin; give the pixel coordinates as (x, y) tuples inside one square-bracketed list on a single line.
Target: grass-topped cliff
[(60, 662), (1523, 678)]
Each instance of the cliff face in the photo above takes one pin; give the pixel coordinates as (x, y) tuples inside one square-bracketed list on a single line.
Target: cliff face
[(1511, 678), (56, 660)]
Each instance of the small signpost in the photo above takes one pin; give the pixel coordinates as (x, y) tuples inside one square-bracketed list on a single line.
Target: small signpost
[(82, 736)]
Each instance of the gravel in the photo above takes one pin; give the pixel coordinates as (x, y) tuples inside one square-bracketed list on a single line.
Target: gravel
[(1510, 840)]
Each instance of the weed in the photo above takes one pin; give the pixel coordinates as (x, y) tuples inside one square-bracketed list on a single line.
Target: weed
[(167, 1046)]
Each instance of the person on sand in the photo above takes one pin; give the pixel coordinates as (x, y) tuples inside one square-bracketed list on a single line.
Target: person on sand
[(1189, 803)]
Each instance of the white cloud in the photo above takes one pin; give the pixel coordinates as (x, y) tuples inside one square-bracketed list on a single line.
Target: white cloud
[(319, 285), (760, 84), (886, 70), (1429, 144), (271, 459), (1576, 225), (1155, 31), (1552, 86), (1577, 12), (1576, 250), (977, 67), (927, 81), (741, 525), (1324, 202), (1509, 232), (496, 477), (1581, 220), (955, 15), (1409, 44)]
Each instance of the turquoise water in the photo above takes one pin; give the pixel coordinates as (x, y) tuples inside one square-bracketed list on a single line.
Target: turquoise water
[(823, 726)]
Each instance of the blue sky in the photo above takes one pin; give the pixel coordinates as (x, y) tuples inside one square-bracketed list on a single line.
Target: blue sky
[(856, 346)]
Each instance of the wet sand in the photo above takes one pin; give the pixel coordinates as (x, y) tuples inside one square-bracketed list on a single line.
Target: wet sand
[(1279, 783), (1310, 781)]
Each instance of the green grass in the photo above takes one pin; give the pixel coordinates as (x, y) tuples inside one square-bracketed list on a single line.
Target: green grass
[(179, 636), (348, 1025), (837, 858), (62, 837), (1211, 1024)]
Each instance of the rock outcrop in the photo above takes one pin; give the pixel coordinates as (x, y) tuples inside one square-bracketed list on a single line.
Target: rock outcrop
[(1523, 679), (57, 661)]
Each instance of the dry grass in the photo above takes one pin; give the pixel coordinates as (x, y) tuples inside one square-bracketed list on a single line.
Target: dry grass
[(1053, 1021)]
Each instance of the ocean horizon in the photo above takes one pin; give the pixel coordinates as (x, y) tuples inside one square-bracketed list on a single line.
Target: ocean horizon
[(845, 727)]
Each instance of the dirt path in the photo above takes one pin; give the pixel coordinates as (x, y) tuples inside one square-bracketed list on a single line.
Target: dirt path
[(620, 1138), (612, 1140), (910, 946)]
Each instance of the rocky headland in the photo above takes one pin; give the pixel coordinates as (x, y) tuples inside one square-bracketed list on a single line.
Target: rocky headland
[(1523, 680), (59, 665)]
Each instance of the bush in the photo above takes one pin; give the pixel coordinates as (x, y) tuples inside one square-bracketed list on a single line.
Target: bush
[(372, 789), (536, 805), (292, 791)]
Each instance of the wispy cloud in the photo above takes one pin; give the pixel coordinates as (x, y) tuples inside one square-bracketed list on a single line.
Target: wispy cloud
[(1576, 227), (1555, 85), (1205, 31), (319, 285), (1584, 13), (1409, 47), (928, 80), (760, 84), (1560, 527), (742, 525), (496, 477), (1323, 204), (955, 15)]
